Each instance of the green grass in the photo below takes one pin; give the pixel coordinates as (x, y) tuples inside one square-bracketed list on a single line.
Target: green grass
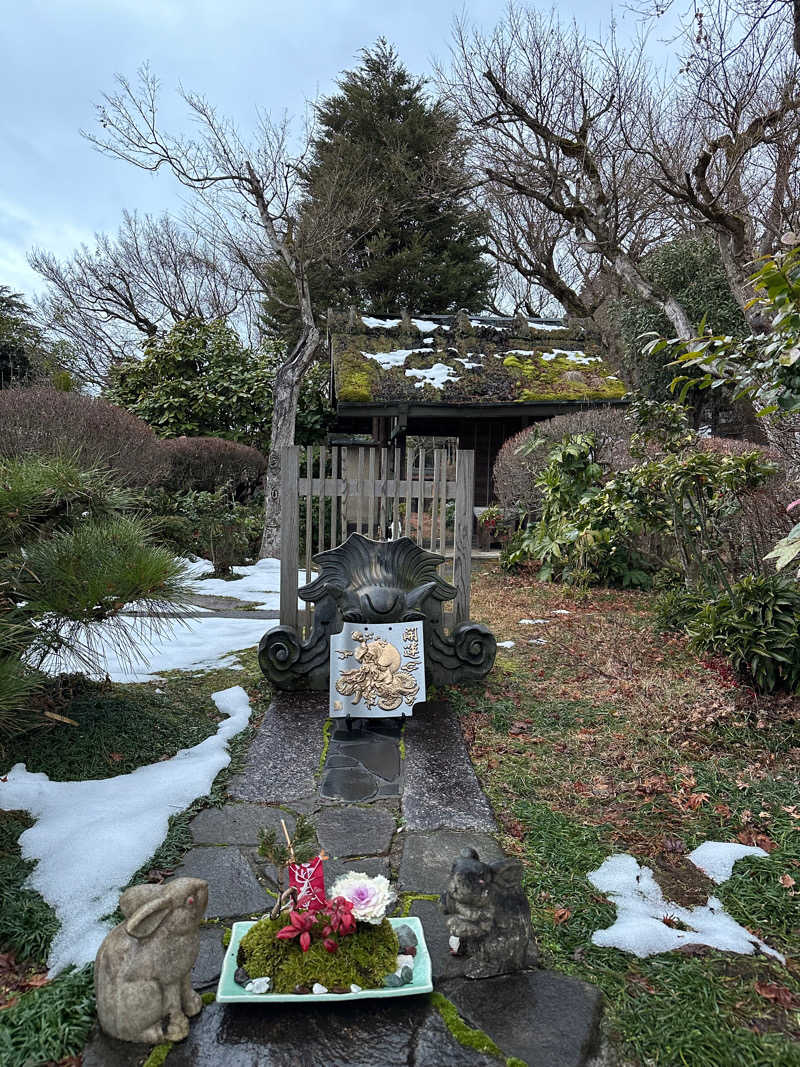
[(49, 1023), (119, 728)]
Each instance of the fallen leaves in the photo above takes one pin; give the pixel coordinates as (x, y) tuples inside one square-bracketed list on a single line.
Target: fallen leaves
[(560, 916), (787, 881), (779, 994), (753, 837)]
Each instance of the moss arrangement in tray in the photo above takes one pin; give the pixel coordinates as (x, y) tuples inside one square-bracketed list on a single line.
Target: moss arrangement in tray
[(363, 958)]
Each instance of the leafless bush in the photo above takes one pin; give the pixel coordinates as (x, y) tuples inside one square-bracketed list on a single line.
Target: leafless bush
[(97, 433), (206, 463), (515, 473)]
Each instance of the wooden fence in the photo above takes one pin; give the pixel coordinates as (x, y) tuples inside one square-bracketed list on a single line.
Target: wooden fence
[(327, 493)]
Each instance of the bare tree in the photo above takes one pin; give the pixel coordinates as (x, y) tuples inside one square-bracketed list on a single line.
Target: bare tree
[(723, 144), (105, 301), (248, 202), (569, 196)]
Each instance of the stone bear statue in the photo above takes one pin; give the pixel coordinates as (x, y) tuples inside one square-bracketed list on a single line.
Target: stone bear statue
[(488, 912), (143, 969)]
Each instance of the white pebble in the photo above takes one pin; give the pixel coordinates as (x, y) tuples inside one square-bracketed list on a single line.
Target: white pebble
[(258, 985), (355, 988), (404, 961), (454, 943), (318, 988)]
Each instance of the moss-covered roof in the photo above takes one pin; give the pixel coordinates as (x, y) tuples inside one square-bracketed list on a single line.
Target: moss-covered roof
[(460, 360)]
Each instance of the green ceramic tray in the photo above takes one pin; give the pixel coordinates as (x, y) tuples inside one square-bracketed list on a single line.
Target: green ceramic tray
[(230, 992)]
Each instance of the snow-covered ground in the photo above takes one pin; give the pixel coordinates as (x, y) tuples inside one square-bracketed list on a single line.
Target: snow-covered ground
[(196, 644), (90, 837), (642, 908), (259, 583)]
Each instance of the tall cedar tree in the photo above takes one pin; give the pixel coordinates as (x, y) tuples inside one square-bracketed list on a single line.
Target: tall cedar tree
[(18, 338), (424, 250)]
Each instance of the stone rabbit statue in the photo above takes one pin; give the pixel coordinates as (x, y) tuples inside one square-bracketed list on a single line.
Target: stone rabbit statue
[(142, 973), (488, 912)]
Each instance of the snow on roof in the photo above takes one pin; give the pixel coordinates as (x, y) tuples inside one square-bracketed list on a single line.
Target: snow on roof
[(436, 375), (392, 359)]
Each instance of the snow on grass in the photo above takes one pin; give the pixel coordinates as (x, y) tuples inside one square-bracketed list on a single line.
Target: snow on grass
[(537, 641), (506, 644), (436, 375), (560, 611), (258, 584), (91, 837), (716, 858), (191, 644), (533, 622), (379, 324), (428, 325), (387, 360), (642, 908), (468, 364)]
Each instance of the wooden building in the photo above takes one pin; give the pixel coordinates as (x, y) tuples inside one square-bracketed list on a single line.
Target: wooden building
[(478, 379)]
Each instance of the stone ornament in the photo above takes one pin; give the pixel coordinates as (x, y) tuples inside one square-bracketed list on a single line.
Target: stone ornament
[(365, 581), (142, 973), (488, 916)]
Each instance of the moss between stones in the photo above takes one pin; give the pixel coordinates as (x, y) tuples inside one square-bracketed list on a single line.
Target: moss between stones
[(407, 901), (365, 957), (158, 1055), (327, 730), (208, 998), (226, 936), (466, 1036)]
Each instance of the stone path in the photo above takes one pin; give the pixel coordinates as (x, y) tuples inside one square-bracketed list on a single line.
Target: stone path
[(383, 800)]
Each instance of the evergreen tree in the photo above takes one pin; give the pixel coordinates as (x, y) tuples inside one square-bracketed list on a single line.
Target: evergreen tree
[(423, 248), (18, 338)]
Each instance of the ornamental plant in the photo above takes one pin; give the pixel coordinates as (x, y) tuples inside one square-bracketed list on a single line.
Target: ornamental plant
[(369, 898), (329, 923)]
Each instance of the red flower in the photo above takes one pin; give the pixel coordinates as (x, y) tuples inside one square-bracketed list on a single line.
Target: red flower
[(329, 945), (305, 941)]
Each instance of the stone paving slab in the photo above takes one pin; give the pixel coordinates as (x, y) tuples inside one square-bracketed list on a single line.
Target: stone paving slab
[(351, 831), (406, 1031), (284, 755), (233, 889), (208, 964), (441, 789), (237, 824), (428, 857), (540, 1016)]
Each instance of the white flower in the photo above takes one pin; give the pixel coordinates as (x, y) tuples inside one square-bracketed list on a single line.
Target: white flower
[(371, 897)]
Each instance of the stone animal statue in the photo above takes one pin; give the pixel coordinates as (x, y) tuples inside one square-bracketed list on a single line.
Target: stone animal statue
[(142, 973), (488, 912)]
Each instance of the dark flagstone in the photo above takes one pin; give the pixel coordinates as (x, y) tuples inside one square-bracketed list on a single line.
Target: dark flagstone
[(381, 755), (233, 889), (428, 857), (352, 784), (351, 831), (237, 824), (284, 755), (441, 789), (208, 964), (540, 1016), (341, 761)]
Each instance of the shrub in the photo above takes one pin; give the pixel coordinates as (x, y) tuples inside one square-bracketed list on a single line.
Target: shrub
[(95, 433), (207, 463), (71, 554), (756, 625), (673, 608), (519, 464), (212, 525)]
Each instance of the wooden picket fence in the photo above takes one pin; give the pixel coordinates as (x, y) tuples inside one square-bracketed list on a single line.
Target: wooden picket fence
[(382, 493)]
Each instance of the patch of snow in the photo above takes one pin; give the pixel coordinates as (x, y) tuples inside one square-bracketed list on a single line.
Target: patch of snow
[(506, 644), (387, 360), (90, 837), (259, 583), (436, 375), (641, 909), (427, 325), (537, 641), (546, 325), (572, 355), (716, 858), (532, 622), (379, 324), (200, 644), (427, 340), (467, 364), (560, 611)]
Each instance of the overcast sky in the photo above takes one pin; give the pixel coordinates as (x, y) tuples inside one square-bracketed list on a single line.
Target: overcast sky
[(58, 56)]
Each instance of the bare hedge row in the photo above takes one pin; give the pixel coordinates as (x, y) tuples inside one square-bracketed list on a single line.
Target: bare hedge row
[(97, 433)]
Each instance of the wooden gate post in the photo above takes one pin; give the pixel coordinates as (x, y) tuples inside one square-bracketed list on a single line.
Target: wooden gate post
[(290, 523), (462, 534)]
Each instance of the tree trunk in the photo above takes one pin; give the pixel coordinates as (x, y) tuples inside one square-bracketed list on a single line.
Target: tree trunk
[(284, 413), (663, 301)]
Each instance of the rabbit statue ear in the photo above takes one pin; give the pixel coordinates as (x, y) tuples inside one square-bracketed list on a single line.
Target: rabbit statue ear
[(149, 917), (137, 896)]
